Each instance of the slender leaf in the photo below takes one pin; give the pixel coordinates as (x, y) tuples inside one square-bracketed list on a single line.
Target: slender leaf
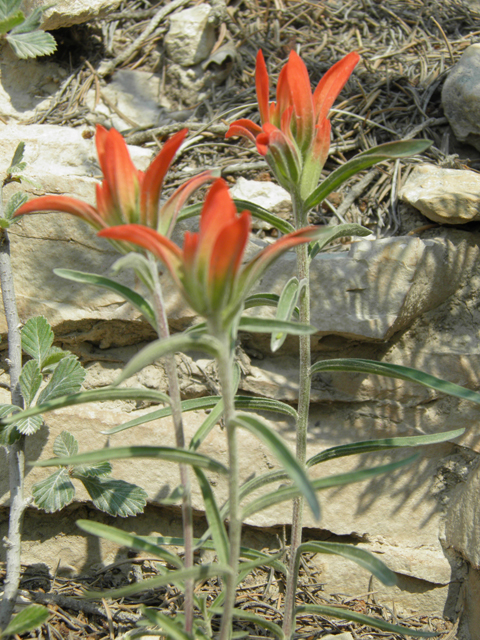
[(286, 305), (263, 623), (127, 294), (37, 338), (116, 497), (139, 264), (171, 454), (333, 233), (260, 481), (270, 325), (170, 627), (382, 444), (363, 558), (364, 160), (66, 380), (129, 540), (263, 214), (346, 614), (55, 492), (358, 365), (29, 619), (288, 493), (283, 455), (207, 425), (30, 380), (32, 44), (160, 348), (94, 395), (215, 522)]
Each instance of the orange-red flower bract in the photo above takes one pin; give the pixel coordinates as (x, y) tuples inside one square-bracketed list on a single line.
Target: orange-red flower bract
[(126, 194), (295, 132), (208, 271)]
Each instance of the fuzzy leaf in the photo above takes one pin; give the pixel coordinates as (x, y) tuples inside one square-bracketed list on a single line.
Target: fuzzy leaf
[(30, 381), (65, 445), (170, 627), (32, 44), (116, 497), (29, 619), (28, 426), (14, 203), (101, 469), (215, 522), (12, 21), (8, 434), (66, 380), (53, 493), (286, 305), (8, 7), (37, 338), (53, 357), (32, 22), (269, 325)]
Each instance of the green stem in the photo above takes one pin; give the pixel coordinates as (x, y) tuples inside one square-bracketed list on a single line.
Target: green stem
[(225, 370), (303, 274), (176, 405)]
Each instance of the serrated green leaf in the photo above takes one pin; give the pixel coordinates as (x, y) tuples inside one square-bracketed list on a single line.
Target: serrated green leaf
[(170, 627), (171, 454), (215, 522), (32, 44), (29, 426), (8, 434), (129, 540), (30, 381), (17, 156), (66, 380), (8, 7), (286, 305), (32, 22), (14, 203), (359, 365), (101, 469), (12, 21), (37, 338), (53, 357), (29, 619), (127, 294), (376, 623), (65, 445), (116, 497), (270, 325), (18, 168), (55, 492)]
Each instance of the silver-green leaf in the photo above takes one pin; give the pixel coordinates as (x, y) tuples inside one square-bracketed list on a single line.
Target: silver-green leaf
[(116, 497), (55, 492), (37, 338), (30, 381), (66, 380)]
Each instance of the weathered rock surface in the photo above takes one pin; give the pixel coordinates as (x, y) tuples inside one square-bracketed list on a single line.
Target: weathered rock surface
[(65, 13), (268, 195), (461, 97), (447, 196), (191, 35)]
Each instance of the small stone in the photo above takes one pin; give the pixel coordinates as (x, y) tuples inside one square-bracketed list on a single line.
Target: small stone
[(447, 196), (65, 13), (191, 36), (342, 636)]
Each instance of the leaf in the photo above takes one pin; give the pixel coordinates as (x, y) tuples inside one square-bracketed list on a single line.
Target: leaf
[(115, 453), (170, 627), (53, 357), (17, 156), (283, 454), (65, 445), (32, 44), (364, 160), (53, 493), (207, 425), (8, 7), (28, 426), (263, 214), (14, 203), (139, 264), (116, 497), (359, 365), (128, 540), (12, 21), (270, 325), (8, 433), (101, 469), (363, 558), (37, 338), (333, 233), (288, 493), (286, 305), (215, 522), (66, 380), (32, 22), (94, 395), (30, 381), (243, 614), (346, 614), (29, 619), (160, 348), (382, 444), (135, 299)]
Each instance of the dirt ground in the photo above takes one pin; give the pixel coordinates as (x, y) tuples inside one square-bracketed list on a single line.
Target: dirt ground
[(407, 48)]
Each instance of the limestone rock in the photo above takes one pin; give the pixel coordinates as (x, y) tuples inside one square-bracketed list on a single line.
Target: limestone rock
[(65, 13), (461, 97), (191, 35), (447, 196), (268, 195)]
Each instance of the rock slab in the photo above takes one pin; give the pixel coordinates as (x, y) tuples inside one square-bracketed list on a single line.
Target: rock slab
[(65, 13)]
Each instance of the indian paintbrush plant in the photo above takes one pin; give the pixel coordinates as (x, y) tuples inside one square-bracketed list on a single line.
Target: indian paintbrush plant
[(211, 274)]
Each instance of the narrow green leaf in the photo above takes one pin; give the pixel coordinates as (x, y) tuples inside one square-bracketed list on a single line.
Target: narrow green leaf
[(32, 44), (37, 338), (263, 214), (130, 540), (382, 444), (243, 614), (30, 381), (282, 494), (116, 497), (29, 619), (139, 264), (169, 626), (135, 299), (12, 21), (115, 453), (55, 492), (363, 558), (215, 522), (65, 445), (14, 203), (358, 365), (286, 305), (66, 380), (345, 614), (329, 234), (283, 455), (261, 481), (270, 325), (94, 395), (364, 160), (207, 425)]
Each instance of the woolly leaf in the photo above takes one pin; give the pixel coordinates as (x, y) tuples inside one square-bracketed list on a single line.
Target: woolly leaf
[(32, 44), (66, 380), (116, 497), (55, 492), (37, 338), (30, 381)]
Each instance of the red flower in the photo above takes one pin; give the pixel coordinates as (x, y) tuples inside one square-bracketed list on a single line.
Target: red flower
[(208, 270), (295, 131), (126, 194)]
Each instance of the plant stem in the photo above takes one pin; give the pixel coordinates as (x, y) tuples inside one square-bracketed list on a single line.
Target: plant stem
[(176, 404), (303, 274), (225, 370), (16, 451)]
